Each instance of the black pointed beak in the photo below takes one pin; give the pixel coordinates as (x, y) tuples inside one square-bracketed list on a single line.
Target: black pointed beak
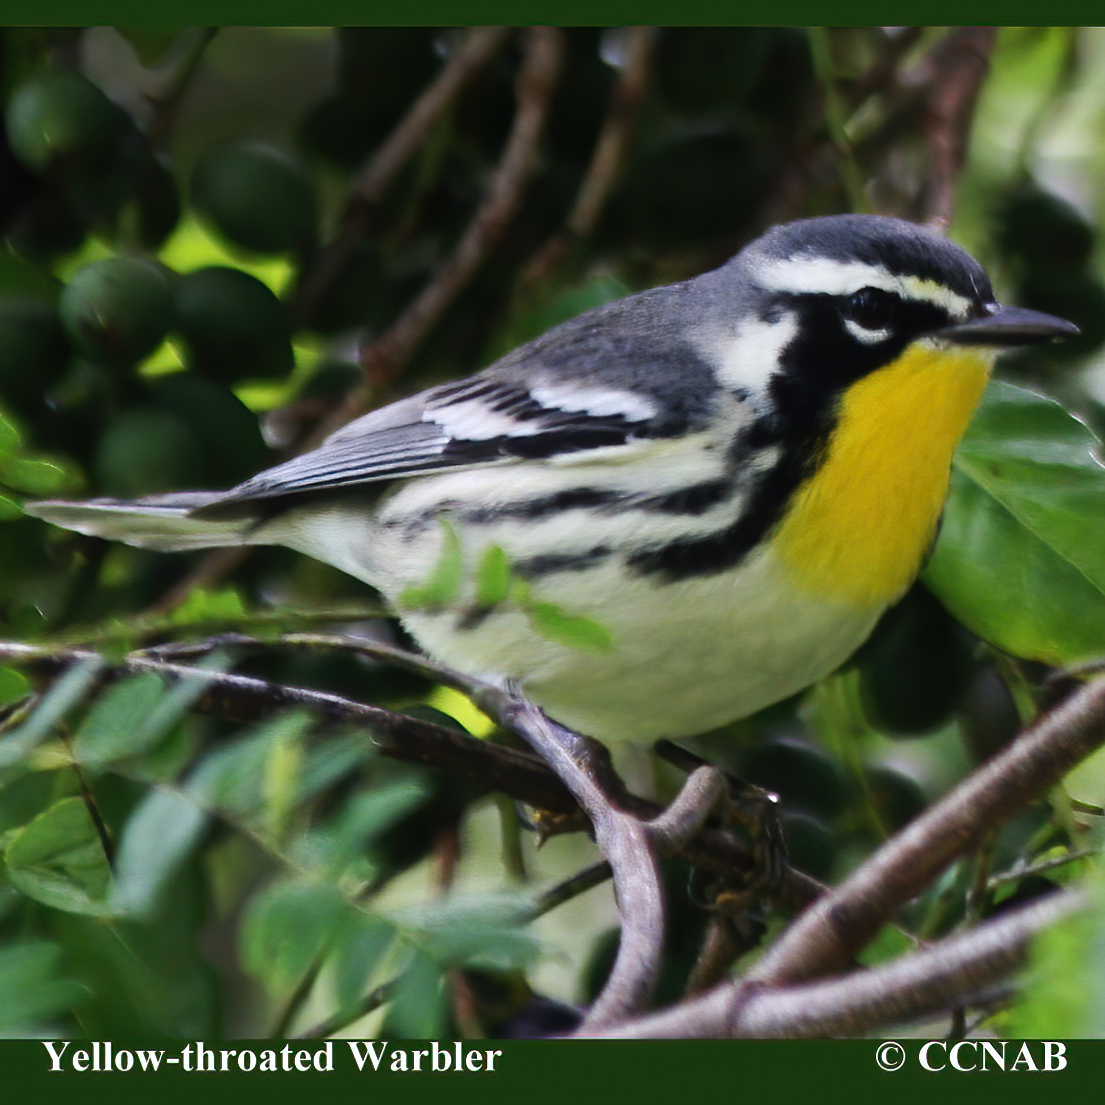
[(1009, 326)]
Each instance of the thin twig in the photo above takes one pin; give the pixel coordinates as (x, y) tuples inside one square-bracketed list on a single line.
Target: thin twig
[(372, 182), (386, 357), (623, 840), (412, 662), (714, 850), (607, 160), (565, 891), (372, 1001), (719, 950), (244, 698), (828, 935), (519, 774), (961, 66), (1027, 870), (915, 985), (631, 846), (294, 1004)]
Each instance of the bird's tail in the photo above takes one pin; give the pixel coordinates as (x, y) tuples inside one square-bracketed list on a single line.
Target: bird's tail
[(162, 522)]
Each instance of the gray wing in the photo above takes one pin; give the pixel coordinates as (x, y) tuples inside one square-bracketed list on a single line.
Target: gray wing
[(602, 380), (610, 379)]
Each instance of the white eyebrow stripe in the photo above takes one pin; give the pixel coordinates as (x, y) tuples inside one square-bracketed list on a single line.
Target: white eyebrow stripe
[(824, 275)]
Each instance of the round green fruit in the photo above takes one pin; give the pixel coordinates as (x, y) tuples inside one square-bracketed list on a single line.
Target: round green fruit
[(916, 668), (234, 326), (146, 450), (60, 121), (117, 311), (256, 196), (228, 432)]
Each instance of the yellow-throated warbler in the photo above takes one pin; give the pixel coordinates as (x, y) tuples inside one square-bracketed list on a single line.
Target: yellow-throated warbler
[(729, 479)]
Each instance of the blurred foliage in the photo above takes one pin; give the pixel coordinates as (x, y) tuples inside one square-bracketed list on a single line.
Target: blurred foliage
[(167, 203)]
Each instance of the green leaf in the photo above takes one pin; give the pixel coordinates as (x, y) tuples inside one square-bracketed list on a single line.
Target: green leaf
[(9, 509), (33, 989), (418, 1010), (280, 781), (117, 724), (573, 630), (1020, 558), (443, 586), (60, 699), (287, 927), (158, 837), (38, 476), (492, 578), (232, 778), (210, 606), (360, 820), (1061, 998), (358, 947), (9, 437), (58, 860), (482, 930), (13, 686)]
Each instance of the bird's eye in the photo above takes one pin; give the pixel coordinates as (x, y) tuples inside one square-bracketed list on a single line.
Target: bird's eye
[(871, 309)]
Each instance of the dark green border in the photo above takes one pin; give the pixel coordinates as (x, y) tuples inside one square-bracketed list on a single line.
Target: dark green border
[(607, 12), (576, 1071), (657, 1071)]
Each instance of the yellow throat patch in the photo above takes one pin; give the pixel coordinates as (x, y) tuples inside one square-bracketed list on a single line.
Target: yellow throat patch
[(858, 531)]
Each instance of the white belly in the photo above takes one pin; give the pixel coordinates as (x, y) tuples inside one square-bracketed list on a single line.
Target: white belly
[(686, 657)]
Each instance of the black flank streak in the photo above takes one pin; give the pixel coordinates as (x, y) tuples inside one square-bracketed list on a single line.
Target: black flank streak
[(690, 500), (572, 499), (549, 563)]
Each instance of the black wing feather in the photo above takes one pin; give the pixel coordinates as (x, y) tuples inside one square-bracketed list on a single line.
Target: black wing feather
[(362, 454)]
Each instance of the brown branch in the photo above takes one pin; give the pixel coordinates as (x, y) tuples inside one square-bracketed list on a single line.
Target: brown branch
[(623, 840), (960, 63), (915, 98), (631, 846), (607, 160), (921, 983), (811, 160), (386, 357), (371, 184), (244, 698), (834, 929), (519, 774), (366, 193)]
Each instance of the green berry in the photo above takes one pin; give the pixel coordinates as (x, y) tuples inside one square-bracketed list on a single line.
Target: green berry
[(60, 121), (233, 325), (118, 311), (256, 196), (145, 450)]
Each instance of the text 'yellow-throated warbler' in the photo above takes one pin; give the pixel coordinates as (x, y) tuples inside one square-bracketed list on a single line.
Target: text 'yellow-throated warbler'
[(729, 479)]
